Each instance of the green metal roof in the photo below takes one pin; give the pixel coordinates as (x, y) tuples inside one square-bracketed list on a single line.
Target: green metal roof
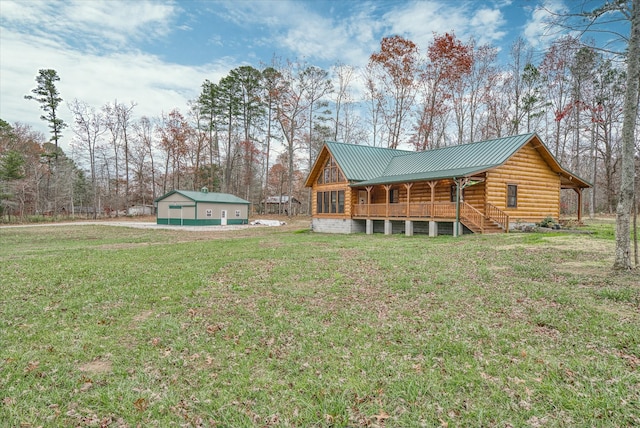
[(453, 161), (359, 163), (366, 165), (423, 176), (219, 198)]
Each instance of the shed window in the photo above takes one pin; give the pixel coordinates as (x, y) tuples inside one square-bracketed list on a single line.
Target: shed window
[(512, 196), (209, 213), (237, 213)]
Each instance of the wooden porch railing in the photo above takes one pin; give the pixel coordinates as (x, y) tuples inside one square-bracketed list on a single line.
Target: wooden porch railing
[(470, 216), (418, 210), (494, 213)]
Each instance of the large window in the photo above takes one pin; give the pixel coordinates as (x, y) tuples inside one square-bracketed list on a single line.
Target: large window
[(512, 196), (330, 202), (331, 173)]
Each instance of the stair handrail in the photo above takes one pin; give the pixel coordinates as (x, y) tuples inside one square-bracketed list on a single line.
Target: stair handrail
[(496, 214), (471, 215)]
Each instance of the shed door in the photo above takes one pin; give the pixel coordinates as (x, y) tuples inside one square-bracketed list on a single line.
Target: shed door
[(223, 217)]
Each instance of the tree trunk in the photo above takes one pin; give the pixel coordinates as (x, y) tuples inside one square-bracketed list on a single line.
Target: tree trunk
[(623, 211), (635, 230), (594, 177)]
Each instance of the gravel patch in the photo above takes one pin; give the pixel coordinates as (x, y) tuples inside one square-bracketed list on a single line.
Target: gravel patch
[(145, 225)]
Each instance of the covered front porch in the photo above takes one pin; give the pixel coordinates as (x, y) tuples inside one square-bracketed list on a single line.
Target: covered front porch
[(434, 213), (397, 203)]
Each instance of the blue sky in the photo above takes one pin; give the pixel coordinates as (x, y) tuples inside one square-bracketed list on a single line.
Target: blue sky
[(158, 53)]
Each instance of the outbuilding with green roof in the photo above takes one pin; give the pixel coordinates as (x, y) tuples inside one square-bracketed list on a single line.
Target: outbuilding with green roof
[(193, 208), (481, 187)]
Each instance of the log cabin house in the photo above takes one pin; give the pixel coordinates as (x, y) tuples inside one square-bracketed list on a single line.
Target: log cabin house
[(482, 187)]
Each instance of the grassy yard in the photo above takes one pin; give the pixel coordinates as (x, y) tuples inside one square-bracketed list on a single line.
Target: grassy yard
[(121, 327)]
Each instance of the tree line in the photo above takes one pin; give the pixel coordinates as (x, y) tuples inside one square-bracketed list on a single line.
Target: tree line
[(257, 131)]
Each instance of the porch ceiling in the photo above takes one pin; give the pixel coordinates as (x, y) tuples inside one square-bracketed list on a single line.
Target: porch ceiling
[(568, 181)]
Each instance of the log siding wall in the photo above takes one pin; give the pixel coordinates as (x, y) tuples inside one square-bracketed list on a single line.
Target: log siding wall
[(349, 198), (538, 187)]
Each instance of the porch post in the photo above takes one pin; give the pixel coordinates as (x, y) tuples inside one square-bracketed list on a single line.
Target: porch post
[(387, 187), (369, 226), (408, 224), (388, 226), (408, 187), (433, 185), (433, 225), (369, 189), (579, 192), (408, 227), (433, 228), (456, 224)]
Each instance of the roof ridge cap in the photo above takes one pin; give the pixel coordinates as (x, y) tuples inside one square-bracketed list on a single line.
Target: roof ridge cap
[(369, 147), (529, 134)]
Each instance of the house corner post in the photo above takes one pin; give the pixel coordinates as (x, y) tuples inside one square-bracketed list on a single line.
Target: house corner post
[(579, 192)]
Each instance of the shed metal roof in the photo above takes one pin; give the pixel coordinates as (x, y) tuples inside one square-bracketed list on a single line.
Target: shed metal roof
[(212, 197)]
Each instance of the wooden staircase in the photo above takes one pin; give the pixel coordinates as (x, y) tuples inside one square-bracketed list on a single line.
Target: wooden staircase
[(490, 226), (495, 220)]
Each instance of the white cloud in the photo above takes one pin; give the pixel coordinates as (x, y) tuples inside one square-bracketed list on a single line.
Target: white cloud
[(293, 30), (98, 47), (87, 23), (92, 46), (537, 27), (155, 85), (486, 24), (419, 20)]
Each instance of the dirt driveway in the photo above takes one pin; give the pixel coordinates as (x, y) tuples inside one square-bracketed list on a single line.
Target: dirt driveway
[(294, 223)]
